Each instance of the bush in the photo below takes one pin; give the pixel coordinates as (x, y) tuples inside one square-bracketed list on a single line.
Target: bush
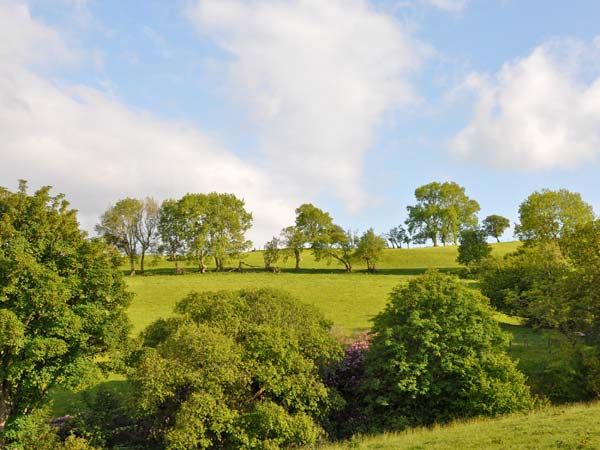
[(438, 354), (235, 370)]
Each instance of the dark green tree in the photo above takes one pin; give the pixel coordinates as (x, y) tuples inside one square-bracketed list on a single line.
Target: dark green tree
[(235, 370), (473, 246), (437, 354), (62, 301), (495, 226)]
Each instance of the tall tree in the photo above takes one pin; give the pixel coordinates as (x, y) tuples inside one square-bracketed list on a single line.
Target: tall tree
[(227, 222), (441, 212), (194, 209), (293, 241), (370, 249), (119, 227), (62, 301), (547, 215), (495, 226), (147, 228), (171, 228)]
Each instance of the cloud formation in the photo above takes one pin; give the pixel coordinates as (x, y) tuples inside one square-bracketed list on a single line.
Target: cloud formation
[(97, 150), (538, 112), (318, 77)]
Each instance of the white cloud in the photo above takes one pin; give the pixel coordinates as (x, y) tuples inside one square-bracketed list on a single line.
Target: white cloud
[(448, 5), (318, 76), (97, 150), (538, 112)]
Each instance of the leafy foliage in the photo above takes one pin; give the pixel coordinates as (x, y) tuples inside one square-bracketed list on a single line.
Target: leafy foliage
[(495, 226), (370, 248), (473, 246), (235, 370), (441, 212), (119, 227), (438, 354), (548, 215), (62, 301)]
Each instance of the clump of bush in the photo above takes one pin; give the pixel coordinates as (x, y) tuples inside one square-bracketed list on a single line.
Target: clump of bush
[(240, 369), (438, 354)]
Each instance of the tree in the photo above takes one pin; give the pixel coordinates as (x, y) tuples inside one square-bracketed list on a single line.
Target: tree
[(312, 222), (473, 246), (271, 253), (236, 369), (119, 227), (327, 240), (437, 354), (171, 227), (147, 228), (495, 226), (441, 212), (336, 244), (370, 248), (548, 215), (293, 241), (227, 222), (194, 209), (398, 236), (62, 301)]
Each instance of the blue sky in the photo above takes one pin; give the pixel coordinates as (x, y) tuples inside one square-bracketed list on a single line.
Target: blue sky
[(349, 104)]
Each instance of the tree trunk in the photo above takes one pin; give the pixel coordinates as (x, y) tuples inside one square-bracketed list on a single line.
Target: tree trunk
[(435, 242), (297, 256), (132, 262), (201, 266), (4, 408), (498, 240), (142, 263), (176, 263)]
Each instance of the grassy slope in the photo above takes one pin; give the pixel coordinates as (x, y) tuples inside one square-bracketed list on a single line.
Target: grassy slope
[(349, 300), (572, 427)]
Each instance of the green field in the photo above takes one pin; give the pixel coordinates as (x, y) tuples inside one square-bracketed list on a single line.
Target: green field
[(568, 428), (349, 300)]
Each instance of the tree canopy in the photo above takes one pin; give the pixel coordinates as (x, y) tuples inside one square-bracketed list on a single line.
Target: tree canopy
[(547, 215), (441, 212), (495, 226), (62, 301)]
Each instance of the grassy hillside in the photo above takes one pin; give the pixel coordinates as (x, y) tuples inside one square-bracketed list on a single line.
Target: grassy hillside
[(573, 427)]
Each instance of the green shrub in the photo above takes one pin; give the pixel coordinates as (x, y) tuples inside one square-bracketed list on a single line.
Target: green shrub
[(236, 369), (438, 354)]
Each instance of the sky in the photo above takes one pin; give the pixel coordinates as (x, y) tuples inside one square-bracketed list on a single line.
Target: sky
[(346, 104)]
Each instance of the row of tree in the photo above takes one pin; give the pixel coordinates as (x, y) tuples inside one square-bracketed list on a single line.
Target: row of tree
[(315, 230), (196, 227)]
